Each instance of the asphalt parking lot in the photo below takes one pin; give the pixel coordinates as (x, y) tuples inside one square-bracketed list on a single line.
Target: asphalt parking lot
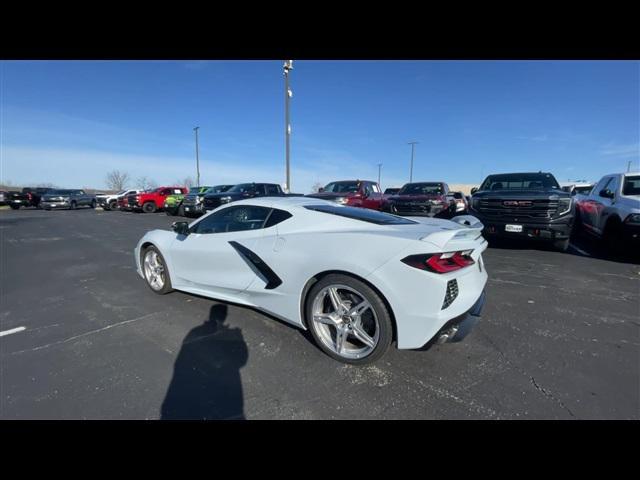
[(559, 339)]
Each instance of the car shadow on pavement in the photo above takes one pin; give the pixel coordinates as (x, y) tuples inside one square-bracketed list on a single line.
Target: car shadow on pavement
[(206, 383)]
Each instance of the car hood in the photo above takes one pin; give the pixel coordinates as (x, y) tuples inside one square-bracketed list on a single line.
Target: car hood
[(330, 195), (551, 193), (415, 198), (632, 202)]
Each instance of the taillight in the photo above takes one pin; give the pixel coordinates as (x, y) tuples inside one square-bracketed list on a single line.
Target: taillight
[(440, 262)]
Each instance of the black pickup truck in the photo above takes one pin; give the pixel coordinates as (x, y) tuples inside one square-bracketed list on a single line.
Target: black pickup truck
[(243, 191), (28, 197), (524, 205)]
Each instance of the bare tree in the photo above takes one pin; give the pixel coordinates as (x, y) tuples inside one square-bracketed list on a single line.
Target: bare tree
[(145, 183), (315, 188), (117, 180), (186, 182)]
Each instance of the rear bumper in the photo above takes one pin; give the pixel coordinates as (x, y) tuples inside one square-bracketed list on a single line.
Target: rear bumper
[(558, 229), (457, 329)]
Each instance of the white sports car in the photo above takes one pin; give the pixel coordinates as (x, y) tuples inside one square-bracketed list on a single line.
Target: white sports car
[(358, 279)]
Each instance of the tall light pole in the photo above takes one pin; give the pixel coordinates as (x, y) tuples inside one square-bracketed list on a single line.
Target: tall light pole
[(379, 167), (413, 144), (629, 166), (197, 158), (288, 65)]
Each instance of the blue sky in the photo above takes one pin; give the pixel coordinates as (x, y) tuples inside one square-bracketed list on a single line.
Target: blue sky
[(69, 122)]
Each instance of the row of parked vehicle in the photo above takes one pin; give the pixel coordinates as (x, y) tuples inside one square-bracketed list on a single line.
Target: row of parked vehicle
[(513, 205)]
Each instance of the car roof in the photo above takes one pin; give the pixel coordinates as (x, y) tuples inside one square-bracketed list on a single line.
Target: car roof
[(282, 202)]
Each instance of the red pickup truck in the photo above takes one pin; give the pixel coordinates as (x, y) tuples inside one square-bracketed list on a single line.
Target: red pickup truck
[(152, 200), (354, 193)]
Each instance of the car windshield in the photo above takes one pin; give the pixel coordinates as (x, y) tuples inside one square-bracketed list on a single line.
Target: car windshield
[(61, 192), (197, 189), (364, 214), (391, 191), (520, 181), (342, 187), (219, 189), (631, 185), (583, 190), (242, 188), (421, 189)]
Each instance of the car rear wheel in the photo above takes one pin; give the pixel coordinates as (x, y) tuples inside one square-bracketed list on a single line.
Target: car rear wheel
[(149, 207), (155, 271), (348, 320), (113, 205), (93, 204), (14, 207)]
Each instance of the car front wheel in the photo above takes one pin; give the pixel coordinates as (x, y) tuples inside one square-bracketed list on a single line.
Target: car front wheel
[(149, 207), (348, 320), (155, 271)]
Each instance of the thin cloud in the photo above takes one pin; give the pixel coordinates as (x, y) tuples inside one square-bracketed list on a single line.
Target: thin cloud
[(621, 151)]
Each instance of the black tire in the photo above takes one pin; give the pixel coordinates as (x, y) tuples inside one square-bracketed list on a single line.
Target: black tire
[(167, 278), (612, 237), (149, 207), (93, 204), (73, 206), (15, 207), (562, 245), (181, 211), (113, 205), (377, 303), (170, 212)]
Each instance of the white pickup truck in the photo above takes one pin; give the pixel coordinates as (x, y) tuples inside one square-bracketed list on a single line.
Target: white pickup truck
[(611, 211), (110, 201)]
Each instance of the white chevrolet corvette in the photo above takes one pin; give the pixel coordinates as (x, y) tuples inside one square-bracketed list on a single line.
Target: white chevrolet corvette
[(356, 278)]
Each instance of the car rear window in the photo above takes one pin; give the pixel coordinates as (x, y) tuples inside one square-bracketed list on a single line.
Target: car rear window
[(363, 214), (631, 185)]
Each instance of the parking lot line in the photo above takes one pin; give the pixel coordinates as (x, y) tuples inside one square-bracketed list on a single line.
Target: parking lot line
[(13, 330)]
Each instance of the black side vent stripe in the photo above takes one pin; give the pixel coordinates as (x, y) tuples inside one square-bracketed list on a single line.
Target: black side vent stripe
[(273, 280)]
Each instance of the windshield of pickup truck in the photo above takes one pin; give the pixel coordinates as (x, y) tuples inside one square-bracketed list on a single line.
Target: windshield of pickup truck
[(520, 181), (242, 188), (631, 185), (219, 189), (421, 189), (342, 187)]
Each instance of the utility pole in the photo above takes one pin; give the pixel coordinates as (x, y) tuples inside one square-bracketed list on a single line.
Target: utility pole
[(288, 65), (197, 158), (379, 167), (413, 144), (629, 166)]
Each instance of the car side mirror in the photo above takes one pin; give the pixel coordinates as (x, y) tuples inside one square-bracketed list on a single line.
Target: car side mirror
[(606, 193), (181, 228), (321, 189), (474, 190)]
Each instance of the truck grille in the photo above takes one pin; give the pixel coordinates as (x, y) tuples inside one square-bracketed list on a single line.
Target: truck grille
[(452, 293), (411, 207), (518, 208), (210, 203)]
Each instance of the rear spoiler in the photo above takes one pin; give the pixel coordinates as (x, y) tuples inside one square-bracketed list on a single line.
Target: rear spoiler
[(472, 229)]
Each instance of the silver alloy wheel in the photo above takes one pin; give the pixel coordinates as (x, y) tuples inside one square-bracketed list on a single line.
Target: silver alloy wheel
[(154, 270), (345, 321)]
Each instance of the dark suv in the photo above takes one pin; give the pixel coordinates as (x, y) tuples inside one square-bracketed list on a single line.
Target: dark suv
[(524, 205)]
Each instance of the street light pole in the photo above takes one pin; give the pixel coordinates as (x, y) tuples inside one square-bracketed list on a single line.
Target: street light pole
[(413, 144), (288, 65), (197, 158), (629, 166), (379, 167)]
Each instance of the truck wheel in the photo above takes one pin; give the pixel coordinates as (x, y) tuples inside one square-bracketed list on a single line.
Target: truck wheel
[(14, 207), (149, 207), (93, 204), (612, 237), (348, 320), (113, 205), (562, 245), (73, 205), (181, 211), (170, 211), (155, 271)]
